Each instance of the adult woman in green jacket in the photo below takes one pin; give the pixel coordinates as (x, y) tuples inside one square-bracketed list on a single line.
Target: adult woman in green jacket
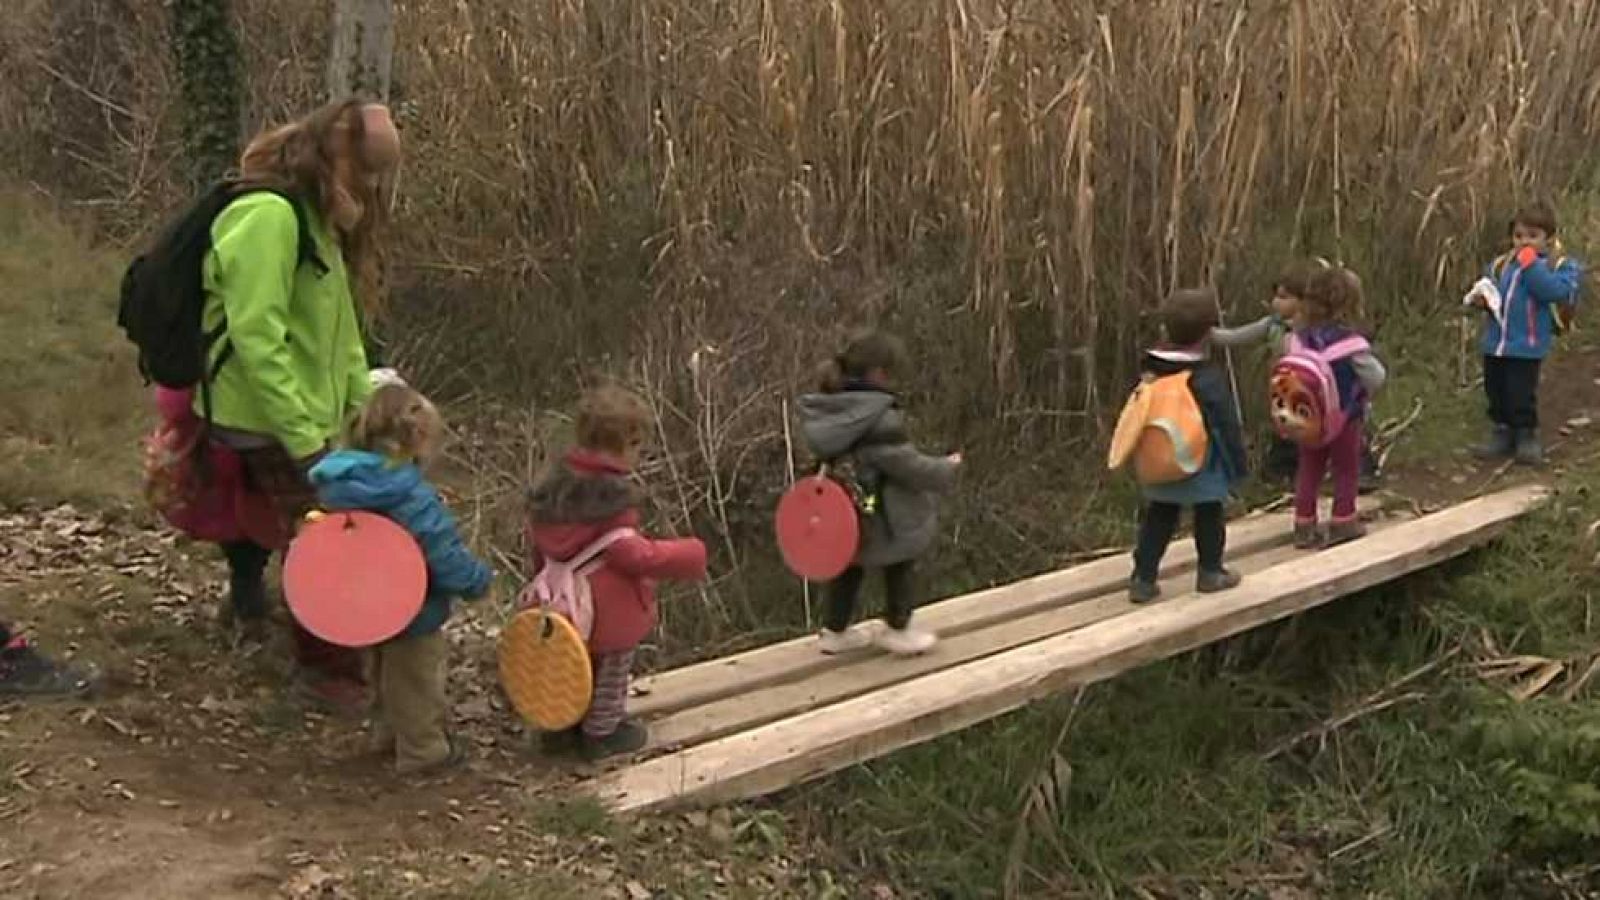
[(289, 361)]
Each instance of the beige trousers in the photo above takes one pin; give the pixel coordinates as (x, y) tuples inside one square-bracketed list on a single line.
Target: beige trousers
[(409, 676)]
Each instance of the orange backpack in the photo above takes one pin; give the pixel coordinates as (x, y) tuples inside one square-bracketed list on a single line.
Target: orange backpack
[(1161, 432)]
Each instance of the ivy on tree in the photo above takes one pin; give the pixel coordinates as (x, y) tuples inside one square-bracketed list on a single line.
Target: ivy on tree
[(207, 54)]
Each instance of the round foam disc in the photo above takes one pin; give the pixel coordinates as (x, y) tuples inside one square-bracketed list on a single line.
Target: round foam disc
[(545, 670), (818, 529), (354, 578)]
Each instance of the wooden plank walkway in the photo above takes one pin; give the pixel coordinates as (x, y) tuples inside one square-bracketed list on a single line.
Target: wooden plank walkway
[(779, 715)]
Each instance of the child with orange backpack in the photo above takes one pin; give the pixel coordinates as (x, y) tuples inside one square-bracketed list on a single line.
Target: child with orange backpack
[(1181, 432)]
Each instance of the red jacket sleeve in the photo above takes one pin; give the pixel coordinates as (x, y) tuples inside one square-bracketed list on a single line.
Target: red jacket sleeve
[(667, 560)]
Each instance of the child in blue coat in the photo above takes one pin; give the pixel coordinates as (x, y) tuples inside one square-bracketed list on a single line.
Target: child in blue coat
[(1534, 284), (396, 430), (1188, 318)]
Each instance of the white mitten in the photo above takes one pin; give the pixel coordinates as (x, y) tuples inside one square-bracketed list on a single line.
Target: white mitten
[(385, 376)]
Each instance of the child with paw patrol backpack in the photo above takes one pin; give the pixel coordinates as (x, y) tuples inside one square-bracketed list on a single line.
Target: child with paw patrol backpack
[(1180, 434), (1321, 390)]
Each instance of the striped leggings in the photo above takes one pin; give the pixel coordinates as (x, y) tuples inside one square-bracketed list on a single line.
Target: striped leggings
[(610, 704)]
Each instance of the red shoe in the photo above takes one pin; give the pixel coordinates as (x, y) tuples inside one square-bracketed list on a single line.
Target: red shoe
[(341, 696)]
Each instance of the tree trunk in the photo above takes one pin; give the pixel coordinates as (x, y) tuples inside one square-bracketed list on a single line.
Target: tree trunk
[(362, 56), (207, 55)]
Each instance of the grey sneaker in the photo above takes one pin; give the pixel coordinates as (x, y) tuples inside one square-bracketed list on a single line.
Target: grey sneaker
[(1529, 451), (1500, 445), (1140, 591), (25, 672), (455, 759), (630, 737), (1345, 532), (1217, 582), (1307, 537)]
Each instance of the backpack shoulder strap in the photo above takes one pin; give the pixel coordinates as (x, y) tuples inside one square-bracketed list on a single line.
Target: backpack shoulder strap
[(601, 544), (1498, 267), (1346, 348), (305, 243), (224, 193)]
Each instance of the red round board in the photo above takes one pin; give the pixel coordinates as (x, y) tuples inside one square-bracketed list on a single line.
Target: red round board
[(818, 529), (354, 578)]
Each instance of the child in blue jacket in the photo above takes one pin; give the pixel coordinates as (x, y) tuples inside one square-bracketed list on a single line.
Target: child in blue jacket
[(396, 430), (1535, 284), (1188, 318)]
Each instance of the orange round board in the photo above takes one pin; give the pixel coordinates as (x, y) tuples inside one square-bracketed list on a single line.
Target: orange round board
[(819, 529), (354, 578), (545, 669)]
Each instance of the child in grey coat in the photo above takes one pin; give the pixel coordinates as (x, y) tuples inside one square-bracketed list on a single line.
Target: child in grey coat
[(854, 415)]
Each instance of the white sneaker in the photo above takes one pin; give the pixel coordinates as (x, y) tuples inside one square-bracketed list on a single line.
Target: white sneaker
[(835, 642), (907, 641)]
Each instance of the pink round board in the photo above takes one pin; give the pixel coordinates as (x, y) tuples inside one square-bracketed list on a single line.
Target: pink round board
[(354, 578), (818, 529)]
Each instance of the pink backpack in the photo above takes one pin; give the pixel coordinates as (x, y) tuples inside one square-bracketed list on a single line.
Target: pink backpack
[(563, 587), (198, 485), (1304, 391)]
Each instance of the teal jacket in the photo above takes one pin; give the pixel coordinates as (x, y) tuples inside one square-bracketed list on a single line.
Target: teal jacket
[(298, 368), (356, 479)]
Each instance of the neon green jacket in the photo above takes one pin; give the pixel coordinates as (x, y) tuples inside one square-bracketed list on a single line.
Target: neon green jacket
[(298, 369)]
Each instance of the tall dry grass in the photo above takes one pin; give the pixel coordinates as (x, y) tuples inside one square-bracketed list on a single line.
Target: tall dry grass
[(623, 185)]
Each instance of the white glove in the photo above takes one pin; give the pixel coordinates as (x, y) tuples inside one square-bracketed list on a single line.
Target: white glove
[(1486, 291), (386, 376)]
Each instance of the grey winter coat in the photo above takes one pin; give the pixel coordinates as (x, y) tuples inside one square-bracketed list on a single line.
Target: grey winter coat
[(867, 424)]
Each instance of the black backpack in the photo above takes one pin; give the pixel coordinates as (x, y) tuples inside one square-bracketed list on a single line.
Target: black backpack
[(163, 294)]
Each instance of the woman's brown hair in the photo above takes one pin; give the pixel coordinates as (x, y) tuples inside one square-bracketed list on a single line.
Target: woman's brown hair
[(330, 159), (867, 352), (397, 422)]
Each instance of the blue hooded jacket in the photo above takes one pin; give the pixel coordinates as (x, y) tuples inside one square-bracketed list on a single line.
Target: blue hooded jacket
[(1529, 295), (356, 479)]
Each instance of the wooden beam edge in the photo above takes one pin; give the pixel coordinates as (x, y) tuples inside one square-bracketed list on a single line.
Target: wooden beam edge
[(914, 713)]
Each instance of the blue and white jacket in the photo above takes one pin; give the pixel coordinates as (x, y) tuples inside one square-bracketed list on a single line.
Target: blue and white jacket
[(1525, 328)]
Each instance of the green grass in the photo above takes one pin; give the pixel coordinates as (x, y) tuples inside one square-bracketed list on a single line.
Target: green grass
[(75, 408)]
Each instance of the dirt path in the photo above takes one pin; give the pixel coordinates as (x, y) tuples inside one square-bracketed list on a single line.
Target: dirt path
[(192, 774)]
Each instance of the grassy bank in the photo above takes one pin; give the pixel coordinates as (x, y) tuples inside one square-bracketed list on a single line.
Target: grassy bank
[(73, 413)]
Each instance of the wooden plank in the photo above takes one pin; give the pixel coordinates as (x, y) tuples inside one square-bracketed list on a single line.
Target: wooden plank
[(794, 750), (698, 724), (741, 673)]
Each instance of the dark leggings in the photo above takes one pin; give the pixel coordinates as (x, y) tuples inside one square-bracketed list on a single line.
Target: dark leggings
[(846, 591), (247, 589), (1161, 523)]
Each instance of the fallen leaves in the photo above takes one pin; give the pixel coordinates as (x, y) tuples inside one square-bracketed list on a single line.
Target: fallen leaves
[(314, 883)]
